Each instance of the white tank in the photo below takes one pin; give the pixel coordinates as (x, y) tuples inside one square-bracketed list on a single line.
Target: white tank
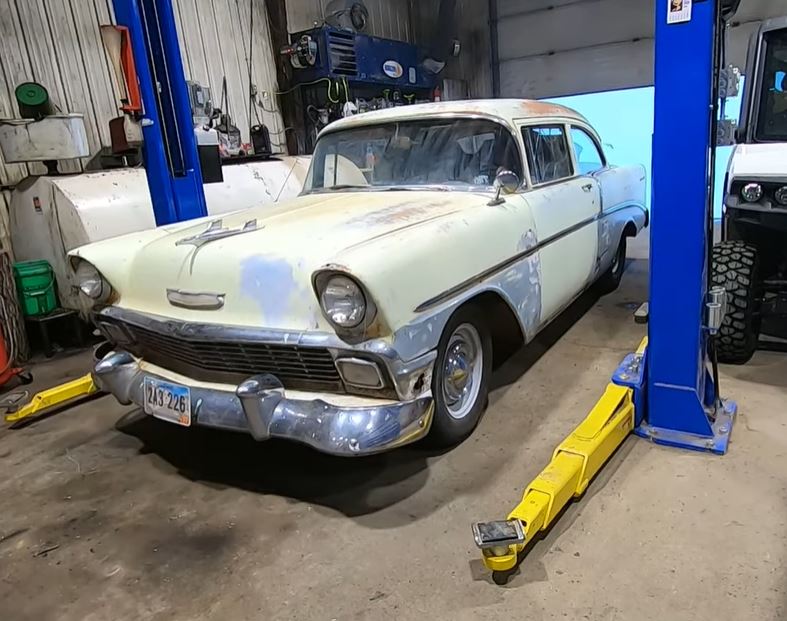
[(52, 215)]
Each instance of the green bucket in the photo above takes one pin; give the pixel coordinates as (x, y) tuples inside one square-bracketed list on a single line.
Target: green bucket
[(35, 283)]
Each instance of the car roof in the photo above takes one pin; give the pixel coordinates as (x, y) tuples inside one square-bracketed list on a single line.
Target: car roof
[(508, 110)]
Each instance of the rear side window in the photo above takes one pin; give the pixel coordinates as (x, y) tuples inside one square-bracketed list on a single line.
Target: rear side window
[(589, 158), (547, 153)]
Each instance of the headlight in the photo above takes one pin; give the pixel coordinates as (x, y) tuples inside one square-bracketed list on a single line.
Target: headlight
[(781, 195), (92, 283), (343, 301), (751, 192)]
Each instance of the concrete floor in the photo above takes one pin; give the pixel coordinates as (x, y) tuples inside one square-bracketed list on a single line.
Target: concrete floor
[(107, 514)]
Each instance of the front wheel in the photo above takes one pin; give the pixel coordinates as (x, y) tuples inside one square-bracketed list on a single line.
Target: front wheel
[(460, 382), (736, 268)]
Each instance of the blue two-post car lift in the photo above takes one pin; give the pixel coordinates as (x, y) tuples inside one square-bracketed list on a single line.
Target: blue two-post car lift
[(665, 391)]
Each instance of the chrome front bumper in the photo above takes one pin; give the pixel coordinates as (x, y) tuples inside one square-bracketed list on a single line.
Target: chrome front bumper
[(259, 406)]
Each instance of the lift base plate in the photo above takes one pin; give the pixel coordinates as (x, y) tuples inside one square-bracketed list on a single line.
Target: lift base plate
[(718, 443)]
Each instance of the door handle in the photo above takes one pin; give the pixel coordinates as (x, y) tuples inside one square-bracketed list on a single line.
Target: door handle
[(587, 187)]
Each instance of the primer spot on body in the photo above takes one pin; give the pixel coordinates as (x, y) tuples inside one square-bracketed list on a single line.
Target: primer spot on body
[(270, 283)]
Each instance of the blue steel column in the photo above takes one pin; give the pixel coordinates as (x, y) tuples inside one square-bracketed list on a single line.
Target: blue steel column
[(679, 387), (169, 149)]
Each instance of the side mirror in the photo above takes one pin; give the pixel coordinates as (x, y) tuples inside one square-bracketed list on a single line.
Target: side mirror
[(506, 181)]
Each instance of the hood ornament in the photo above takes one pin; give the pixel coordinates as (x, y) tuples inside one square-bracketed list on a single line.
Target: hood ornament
[(214, 232)]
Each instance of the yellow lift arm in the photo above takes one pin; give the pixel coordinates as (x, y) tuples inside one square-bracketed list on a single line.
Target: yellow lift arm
[(574, 463), (54, 396)]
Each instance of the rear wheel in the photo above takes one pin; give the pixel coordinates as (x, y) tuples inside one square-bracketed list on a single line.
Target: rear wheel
[(611, 279), (736, 268), (460, 382)]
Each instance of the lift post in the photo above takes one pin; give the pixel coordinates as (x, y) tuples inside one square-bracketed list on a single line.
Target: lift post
[(681, 398), (169, 148), (664, 391)]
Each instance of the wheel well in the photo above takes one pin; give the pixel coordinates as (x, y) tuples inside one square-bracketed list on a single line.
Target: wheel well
[(503, 325), (630, 229)]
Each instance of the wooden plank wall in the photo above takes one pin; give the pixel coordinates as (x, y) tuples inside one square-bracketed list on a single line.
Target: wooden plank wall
[(58, 43)]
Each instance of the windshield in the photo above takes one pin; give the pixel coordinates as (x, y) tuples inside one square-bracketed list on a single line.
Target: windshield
[(772, 116), (444, 153)]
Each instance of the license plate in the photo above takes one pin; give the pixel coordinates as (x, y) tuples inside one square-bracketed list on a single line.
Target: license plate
[(168, 401)]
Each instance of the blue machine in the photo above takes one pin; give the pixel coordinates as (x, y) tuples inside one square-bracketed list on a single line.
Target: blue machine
[(362, 59), (169, 148), (682, 407)]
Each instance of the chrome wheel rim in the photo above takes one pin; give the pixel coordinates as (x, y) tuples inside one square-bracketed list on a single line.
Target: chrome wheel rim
[(462, 367)]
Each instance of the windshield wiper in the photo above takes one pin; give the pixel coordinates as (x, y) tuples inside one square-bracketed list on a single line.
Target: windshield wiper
[(386, 188), (411, 188), (347, 186)]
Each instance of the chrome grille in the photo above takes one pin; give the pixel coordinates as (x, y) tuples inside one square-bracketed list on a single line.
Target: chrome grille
[(214, 360)]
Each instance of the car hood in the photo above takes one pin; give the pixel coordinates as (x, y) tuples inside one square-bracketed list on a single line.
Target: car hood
[(264, 272), (759, 161)]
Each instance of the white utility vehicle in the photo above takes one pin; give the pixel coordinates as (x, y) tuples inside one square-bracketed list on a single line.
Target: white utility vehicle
[(751, 260)]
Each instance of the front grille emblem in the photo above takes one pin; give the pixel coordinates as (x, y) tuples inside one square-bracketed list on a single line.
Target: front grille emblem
[(195, 300)]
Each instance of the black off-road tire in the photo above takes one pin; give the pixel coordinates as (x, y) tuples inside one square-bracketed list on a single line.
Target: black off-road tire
[(736, 268), (610, 280), (446, 430)]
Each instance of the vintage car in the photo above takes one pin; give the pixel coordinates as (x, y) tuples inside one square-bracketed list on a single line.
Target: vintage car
[(428, 243)]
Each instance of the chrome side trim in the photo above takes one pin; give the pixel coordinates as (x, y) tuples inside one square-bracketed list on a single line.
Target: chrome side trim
[(195, 300), (495, 269)]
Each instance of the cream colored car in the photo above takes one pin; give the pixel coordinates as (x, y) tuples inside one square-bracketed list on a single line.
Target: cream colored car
[(428, 243)]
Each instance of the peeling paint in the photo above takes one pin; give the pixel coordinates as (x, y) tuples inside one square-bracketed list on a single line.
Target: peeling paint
[(604, 244), (404, 213)]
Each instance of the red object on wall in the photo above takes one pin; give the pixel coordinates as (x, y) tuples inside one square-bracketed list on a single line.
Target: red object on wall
[(7, 370), (134, 104)]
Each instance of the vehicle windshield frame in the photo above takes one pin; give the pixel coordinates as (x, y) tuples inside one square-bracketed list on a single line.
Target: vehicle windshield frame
[(403, 186), (765, 78)]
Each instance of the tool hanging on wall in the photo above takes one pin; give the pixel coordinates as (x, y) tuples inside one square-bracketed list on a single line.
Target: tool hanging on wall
[(230, 142), (259, 134)]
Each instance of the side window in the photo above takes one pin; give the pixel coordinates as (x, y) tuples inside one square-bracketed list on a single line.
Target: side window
[(589, 158), (547, 153)]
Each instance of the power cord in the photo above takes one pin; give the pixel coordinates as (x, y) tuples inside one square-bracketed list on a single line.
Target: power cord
[(11, 322)]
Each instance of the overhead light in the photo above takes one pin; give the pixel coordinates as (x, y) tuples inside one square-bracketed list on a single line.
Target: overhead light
[(781, 195), (751, 192)]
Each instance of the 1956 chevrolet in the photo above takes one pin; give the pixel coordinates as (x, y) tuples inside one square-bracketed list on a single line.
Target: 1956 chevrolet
[(428, 243)]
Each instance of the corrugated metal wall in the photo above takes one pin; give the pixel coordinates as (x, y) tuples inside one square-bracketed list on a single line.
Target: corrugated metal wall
[(387, 18), (550, 48), (216, 42), (57, 43)]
